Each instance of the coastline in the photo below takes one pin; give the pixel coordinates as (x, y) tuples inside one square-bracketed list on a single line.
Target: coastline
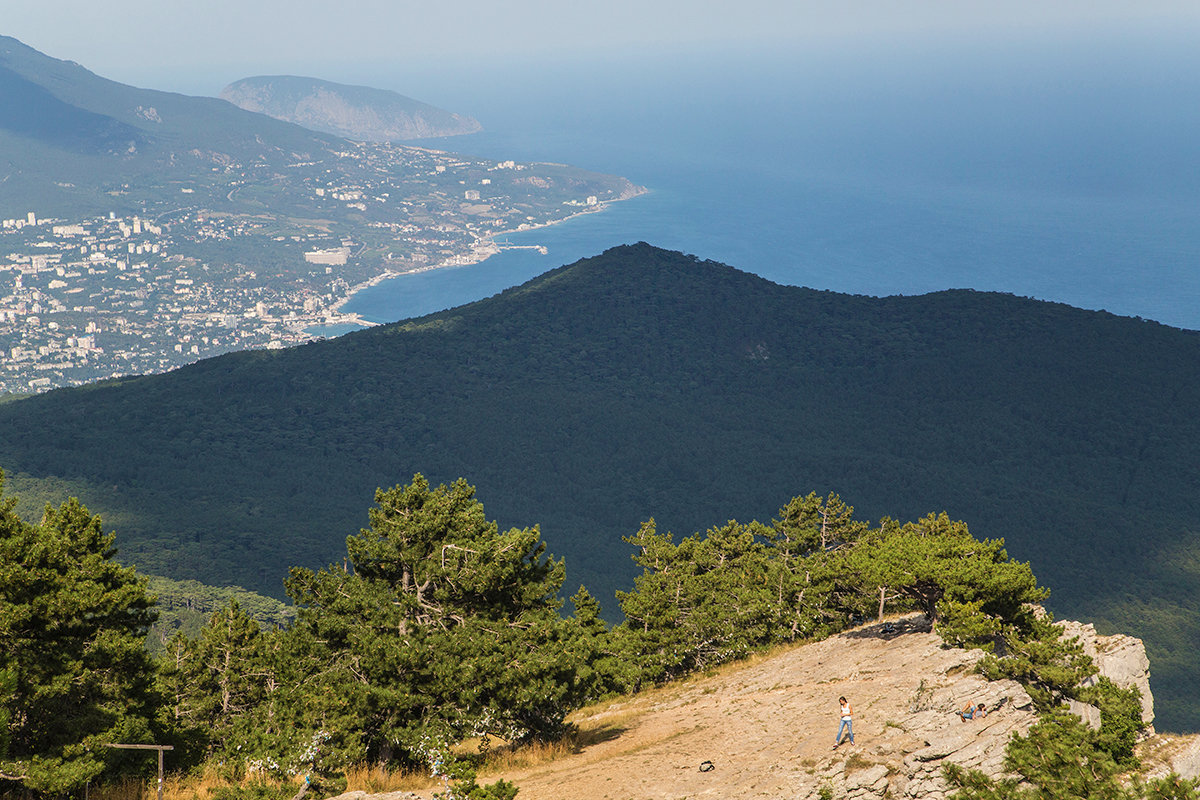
[(483, 248)]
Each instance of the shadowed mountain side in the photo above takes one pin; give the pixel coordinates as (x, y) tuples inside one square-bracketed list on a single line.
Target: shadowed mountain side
[(29, 110), (647, 383)]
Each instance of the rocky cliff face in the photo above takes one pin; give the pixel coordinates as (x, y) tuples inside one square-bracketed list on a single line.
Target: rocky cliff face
[(1122, 659), (354, 112)]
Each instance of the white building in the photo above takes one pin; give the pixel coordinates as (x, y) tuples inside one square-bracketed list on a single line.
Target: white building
[(335, 256)]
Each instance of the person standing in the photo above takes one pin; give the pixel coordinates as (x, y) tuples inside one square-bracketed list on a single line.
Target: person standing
[(847, 722)]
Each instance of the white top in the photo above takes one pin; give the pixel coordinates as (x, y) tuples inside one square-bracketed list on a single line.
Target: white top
[(845, 711)]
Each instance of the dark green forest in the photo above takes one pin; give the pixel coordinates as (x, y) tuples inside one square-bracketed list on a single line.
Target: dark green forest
[(644, 383)]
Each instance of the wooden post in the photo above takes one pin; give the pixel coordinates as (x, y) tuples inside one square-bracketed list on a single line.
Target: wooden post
[(159, 747)]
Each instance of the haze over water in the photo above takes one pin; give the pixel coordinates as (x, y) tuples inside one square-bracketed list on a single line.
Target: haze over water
[(1065, 171)]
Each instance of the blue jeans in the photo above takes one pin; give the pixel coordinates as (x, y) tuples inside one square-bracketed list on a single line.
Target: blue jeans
[(848, 728)]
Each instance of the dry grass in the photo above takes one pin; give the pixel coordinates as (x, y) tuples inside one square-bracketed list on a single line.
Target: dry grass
[(127, 789), (512, 757), (600, 723), (595, 728), (197, 786), (378, 779), (856, 763), (207, 784)]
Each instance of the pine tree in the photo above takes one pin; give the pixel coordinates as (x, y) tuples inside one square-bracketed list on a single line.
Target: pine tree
[(438, 626), (72, 626), (698, 603), (969, 587), (809, 542)]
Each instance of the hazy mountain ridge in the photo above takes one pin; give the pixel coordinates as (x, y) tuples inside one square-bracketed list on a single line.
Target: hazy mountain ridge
[(360, 113), (65, 134), (169, 118), (646, 383)]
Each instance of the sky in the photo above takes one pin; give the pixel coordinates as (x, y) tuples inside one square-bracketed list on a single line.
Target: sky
[(185, 46)]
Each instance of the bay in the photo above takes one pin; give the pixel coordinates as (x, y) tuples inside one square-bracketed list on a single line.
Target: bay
[(1065, 172)]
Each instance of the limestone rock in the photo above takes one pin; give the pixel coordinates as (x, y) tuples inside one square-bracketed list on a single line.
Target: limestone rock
[(1122, 659), (1086, 712), (769, 724), (1164, 754), (871, 778), (1186, 762)]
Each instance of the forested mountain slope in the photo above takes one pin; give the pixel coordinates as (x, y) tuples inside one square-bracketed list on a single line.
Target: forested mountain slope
[(647, 383)]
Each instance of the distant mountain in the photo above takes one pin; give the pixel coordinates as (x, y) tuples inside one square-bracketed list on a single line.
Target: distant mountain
[(72, 139), (353, 112), (167, 119), (74, 144), (647, 383)]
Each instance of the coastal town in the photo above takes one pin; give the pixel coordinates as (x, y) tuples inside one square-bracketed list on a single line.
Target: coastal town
[(205, 268), (97, 298)]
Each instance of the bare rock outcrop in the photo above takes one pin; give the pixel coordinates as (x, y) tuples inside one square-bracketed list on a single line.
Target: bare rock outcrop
[(1163, 754), (768, 726), (931, 733), (1122, 659), (765, 728)]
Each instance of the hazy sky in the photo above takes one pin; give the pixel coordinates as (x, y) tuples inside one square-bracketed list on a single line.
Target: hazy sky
[(154, 42)]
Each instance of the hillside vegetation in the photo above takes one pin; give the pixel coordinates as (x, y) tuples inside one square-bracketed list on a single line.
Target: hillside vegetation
[(440, 627), (646, 383), (185, 607)]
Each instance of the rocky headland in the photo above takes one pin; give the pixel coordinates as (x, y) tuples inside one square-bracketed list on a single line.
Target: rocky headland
[(359, 113)]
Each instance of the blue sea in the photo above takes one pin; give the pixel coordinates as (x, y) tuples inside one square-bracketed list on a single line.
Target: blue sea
[(1059, 170)]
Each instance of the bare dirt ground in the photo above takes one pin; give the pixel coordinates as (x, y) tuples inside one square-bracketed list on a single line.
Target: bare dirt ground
[(767, 728)]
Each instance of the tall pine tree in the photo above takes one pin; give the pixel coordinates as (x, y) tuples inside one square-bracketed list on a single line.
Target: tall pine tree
[(72, 628), (438, 626)]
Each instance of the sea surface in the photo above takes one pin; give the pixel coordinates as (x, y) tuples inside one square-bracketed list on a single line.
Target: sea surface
[(1059, 170)]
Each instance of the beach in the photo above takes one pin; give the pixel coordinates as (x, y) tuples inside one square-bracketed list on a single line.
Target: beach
[(482, 249)]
